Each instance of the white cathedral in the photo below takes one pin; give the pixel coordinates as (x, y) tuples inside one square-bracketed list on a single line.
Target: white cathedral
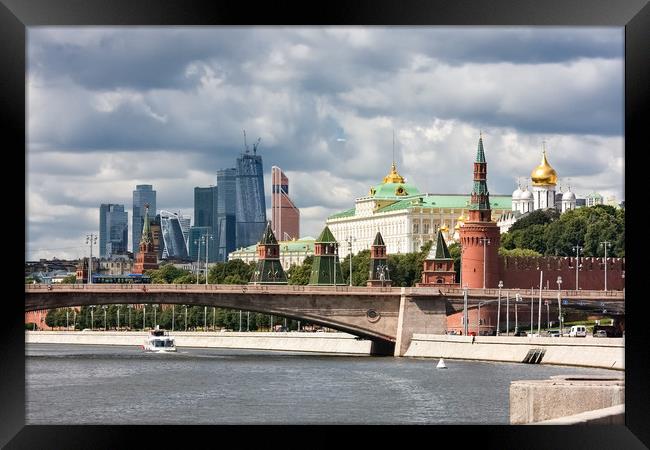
[(542, 195)]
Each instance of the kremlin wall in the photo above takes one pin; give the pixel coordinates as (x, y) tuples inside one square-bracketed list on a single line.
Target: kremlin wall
[(523, 272)]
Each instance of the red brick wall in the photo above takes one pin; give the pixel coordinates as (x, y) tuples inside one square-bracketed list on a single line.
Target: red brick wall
[(522, 272)]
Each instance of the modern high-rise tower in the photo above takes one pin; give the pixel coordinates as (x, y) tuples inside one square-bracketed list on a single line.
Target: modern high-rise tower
[(285, 217), (251, 204), (113, 230), (205, 209), (172, 233), (225, 228), (143, 194), (480, 236)]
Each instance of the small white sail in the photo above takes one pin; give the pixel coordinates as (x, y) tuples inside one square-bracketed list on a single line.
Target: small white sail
[(441, 364)]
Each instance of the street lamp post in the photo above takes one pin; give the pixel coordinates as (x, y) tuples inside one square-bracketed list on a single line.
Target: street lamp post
[(105, 308), (517, 300), (465, 310), (499, 308), (349, 241), (92, 317), (91, 239), (539, 311), (155, 308), (205, 318), (577, 248), (605, 244), (173, 311), (507, 313), (144, 317), (248, 320), (559, 304), (208, 238), (214, 316), (129, 307), (67, 325), (485, 242), (185, 317), (118, 317), (532, 308), (198, 243), (240, 320)]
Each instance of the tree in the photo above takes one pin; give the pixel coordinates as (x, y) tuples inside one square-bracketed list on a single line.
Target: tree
[(299, 275), (586, 227), (69, 279), (518, 252)]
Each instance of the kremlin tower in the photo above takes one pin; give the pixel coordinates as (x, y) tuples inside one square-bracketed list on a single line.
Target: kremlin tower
[(480, 236), (147, 257)]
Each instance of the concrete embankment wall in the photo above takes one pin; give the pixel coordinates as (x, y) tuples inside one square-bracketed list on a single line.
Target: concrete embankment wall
[(339, 343), (607, 353), (568, 399)]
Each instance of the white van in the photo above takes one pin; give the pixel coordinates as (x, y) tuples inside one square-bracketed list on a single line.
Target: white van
[(578, 331)]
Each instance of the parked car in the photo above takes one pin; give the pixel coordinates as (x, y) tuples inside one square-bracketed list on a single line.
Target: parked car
[(578, 331), (554, 333), (600, 333)]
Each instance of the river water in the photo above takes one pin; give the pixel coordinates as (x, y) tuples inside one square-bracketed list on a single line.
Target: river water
[(81, 384)]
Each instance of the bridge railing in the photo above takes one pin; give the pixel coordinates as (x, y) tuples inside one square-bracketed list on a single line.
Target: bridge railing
[(208, 287), (535, 292), (264, 288)]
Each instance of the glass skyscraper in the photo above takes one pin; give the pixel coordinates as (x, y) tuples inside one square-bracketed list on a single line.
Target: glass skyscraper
[(251, 204), (225, 227), (172, 234), (143, 194), (205, 208), (113, 230)]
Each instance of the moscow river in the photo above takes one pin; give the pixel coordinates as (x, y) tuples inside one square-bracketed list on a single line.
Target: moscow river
[(83, 384)]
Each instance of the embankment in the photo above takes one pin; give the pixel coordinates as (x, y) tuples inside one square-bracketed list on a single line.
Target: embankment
[(338, 343), (606, 353)]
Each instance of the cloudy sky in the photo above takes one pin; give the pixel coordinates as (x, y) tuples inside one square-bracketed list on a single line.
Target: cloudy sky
[(109, 108)]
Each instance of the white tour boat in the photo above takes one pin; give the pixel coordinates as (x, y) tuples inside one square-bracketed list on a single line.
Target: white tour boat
[(159, 341)]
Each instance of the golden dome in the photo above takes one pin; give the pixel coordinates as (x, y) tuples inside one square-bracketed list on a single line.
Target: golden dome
[(444, 228), (393, 176), (543, 174)]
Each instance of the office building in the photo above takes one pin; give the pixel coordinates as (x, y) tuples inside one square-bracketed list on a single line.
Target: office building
[(251, 204), (285, 217), (225, 228), (113, 230)]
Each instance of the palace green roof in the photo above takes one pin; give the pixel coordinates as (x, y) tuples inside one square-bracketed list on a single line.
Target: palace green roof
[(435, 201), (304, 244), (394, 190), (346, 213)]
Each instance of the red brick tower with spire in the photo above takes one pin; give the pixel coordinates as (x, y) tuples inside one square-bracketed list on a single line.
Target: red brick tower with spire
[(147, 257), (479, 236)]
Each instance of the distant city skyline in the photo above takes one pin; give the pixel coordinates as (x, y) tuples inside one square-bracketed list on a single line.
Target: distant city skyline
[(111, 108)]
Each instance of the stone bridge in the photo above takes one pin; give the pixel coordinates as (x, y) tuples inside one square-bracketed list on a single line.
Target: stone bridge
[(387, 316)]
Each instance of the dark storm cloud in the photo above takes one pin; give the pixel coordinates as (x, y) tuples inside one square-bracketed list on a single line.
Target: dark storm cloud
[(110, 108)]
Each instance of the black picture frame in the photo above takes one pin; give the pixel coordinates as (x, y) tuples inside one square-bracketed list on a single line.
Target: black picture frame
[(634, 15)]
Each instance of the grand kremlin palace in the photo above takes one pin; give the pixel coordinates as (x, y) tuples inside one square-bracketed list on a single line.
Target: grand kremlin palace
[(406, 218)]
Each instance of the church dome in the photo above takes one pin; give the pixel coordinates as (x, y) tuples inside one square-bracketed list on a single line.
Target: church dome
[(516, 195), (568, 196), (543, 174), (526, 195)]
